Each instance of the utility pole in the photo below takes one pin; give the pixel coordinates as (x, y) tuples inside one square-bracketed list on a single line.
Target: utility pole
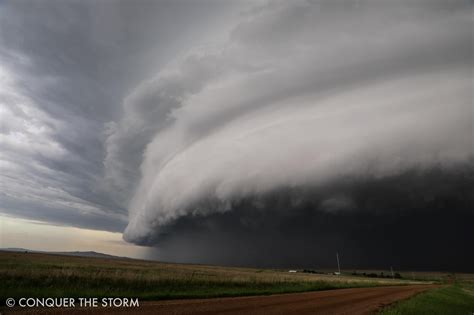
[(391, 269), (338, 266)]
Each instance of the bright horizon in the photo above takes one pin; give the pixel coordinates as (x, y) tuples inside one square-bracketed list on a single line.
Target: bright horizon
[(41, 236)]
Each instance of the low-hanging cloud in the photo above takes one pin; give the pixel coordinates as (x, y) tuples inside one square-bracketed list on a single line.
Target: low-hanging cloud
[(300, 95)]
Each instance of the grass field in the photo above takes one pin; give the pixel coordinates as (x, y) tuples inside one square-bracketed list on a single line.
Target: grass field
[(457, 298), (437, 276), (44, 275)]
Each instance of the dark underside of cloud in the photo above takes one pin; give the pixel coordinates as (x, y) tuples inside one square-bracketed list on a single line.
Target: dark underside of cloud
[(418, 220)]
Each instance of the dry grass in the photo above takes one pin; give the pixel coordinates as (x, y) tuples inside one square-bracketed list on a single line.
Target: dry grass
[(31, 274)]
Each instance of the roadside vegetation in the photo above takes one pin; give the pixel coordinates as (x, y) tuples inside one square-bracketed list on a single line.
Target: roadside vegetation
[(453, 299), (43, 275)]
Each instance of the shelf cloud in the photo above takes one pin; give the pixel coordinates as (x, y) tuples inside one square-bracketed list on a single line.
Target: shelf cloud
[(299, 95), (233, 130)]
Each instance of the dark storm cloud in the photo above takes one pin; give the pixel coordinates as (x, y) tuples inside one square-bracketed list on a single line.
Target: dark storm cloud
[(417, 220), (344, 90), (306, 94)]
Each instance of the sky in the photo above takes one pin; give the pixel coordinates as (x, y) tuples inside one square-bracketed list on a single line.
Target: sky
[(259, 133)]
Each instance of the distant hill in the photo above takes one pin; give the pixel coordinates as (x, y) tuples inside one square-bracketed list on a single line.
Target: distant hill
[(72, 253)]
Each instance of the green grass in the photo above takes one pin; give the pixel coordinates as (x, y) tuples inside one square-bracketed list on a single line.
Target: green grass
[(41, 275), (453, 299)]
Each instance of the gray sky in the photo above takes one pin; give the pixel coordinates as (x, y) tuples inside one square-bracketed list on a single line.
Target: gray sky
[(66, 67), (134, 115)]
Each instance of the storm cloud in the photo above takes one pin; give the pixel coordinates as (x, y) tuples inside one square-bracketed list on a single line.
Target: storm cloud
[(228, 131), (302, 94), (416, 220)]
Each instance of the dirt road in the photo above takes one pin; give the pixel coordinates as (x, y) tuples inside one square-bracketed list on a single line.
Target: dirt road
[(343, 301)]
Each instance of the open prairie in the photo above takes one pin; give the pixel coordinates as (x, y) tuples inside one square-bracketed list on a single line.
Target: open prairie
[(208, 288), (46, 275)]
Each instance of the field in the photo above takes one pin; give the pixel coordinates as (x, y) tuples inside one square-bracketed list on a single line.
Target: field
[(433, 276), (44, 275), (457, 298)]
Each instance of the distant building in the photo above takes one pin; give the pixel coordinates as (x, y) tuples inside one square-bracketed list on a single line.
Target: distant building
[(292, 271)]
